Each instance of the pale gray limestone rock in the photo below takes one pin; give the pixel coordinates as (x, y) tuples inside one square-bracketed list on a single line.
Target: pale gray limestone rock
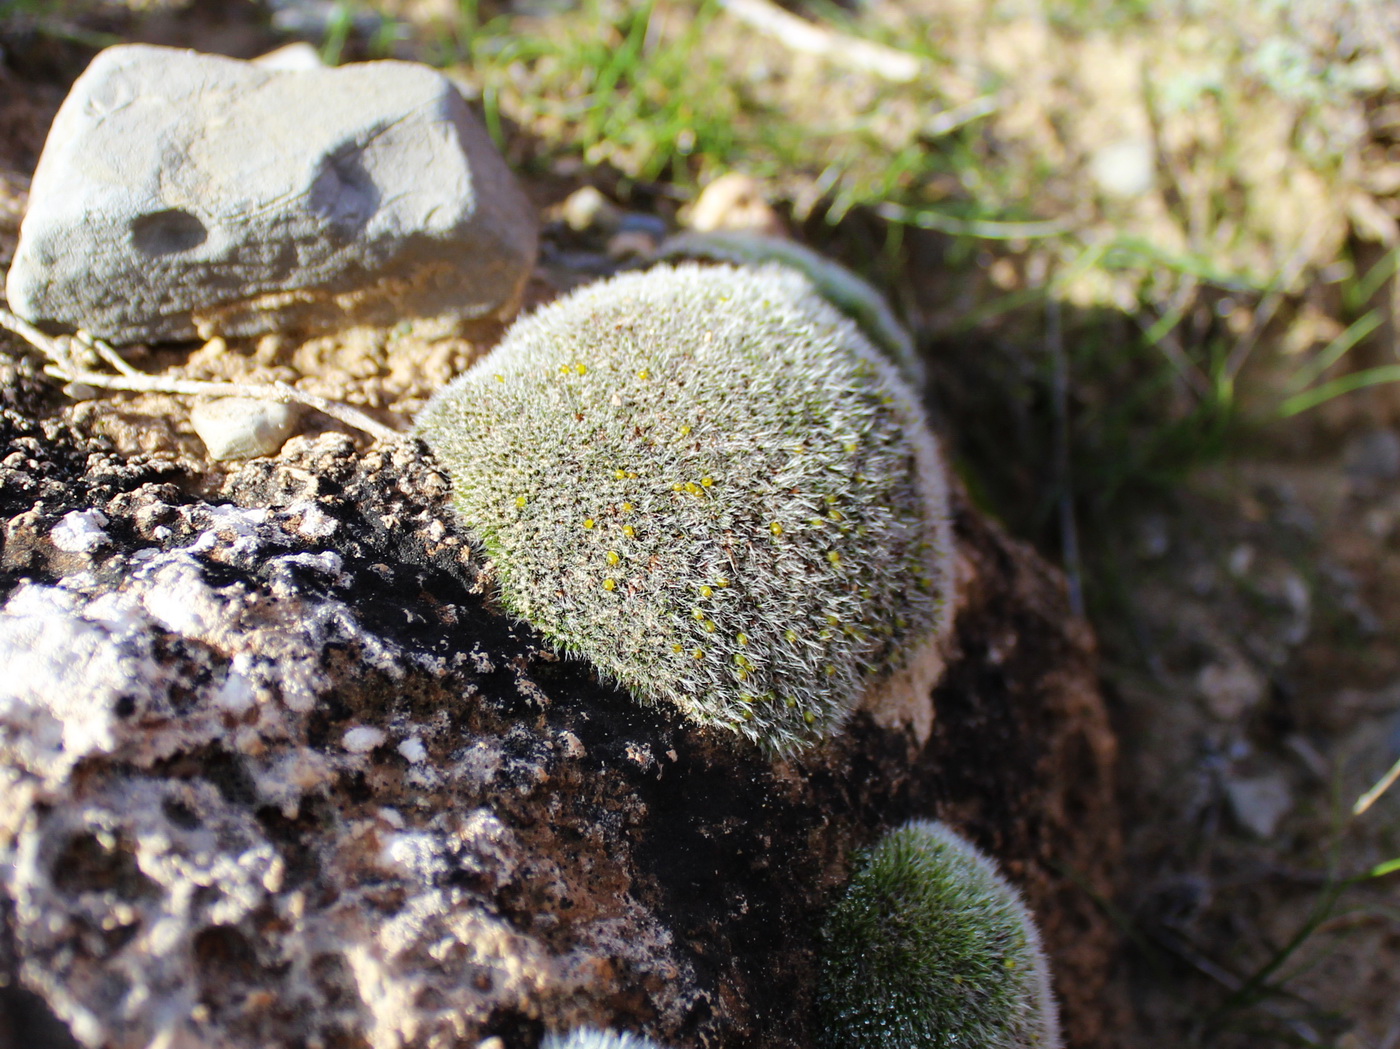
[(182, 194)]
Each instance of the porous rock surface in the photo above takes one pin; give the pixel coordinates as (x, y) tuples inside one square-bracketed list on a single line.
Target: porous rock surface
[(184, 194), (275, 771)]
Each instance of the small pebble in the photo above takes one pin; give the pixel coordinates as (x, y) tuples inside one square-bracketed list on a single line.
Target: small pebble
[(1258, 803), (1374, 456), (299, 55), (630, 244), (1231, 688), (734, 201), (1125, 168), (586, 208), (242, 428), (639, 222), (1154, 537)]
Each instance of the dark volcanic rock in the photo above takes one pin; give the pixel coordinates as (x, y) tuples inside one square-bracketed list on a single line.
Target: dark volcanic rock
[(276, 771)]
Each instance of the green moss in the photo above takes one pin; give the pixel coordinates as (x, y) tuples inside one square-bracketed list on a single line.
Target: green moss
[(930, 948), (850, 294), (707, 482)]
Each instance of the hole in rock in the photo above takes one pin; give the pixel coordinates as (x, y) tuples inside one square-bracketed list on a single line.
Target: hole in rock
[(167, 233), (180, 814), (85, 864), (344, 191)]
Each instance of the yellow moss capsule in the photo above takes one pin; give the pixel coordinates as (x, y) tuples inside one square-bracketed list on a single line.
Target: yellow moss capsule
[(707, 482), (627, 508), (685, 431), (833, 620), (614, 557), (742, 675), (776, 528), (677, 487), (563, 369), (809, 717), (644, 374), (851, 446), (631, 474), (677, 648), (833, 557), (710, 626), (609, 584), (698, 653), (500, 378), (582, 369), (706, 591), (520, 502), (721, 582), (748, 715), (830, 499), (620, 474), (791, 635), (836, 515), (692, 488), (790, 702), (588, 522), (629, 531), (741, 638), (830, 670)]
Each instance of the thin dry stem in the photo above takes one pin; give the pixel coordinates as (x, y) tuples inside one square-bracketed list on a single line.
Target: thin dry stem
[(804, 36), (63, 367)]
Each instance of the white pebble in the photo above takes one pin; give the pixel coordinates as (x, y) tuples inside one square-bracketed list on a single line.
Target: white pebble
[(362, 739), (242, 428)]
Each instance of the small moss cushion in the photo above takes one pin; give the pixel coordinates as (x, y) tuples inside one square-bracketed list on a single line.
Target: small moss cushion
[(931, 948), (706, 481)]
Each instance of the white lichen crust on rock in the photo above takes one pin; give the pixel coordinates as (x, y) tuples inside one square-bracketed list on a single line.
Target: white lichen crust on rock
[(181, 194), (930, 947), (706, 481), (182, 727), (593, 1038)]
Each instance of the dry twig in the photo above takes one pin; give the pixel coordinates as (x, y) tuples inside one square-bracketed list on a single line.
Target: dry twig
[(63, 366), (807, 37)]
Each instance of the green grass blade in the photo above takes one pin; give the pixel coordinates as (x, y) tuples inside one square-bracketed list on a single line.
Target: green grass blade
[(985, 229), (1382, 869), (1346, 384), (1365, 289), (1336, 350)]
